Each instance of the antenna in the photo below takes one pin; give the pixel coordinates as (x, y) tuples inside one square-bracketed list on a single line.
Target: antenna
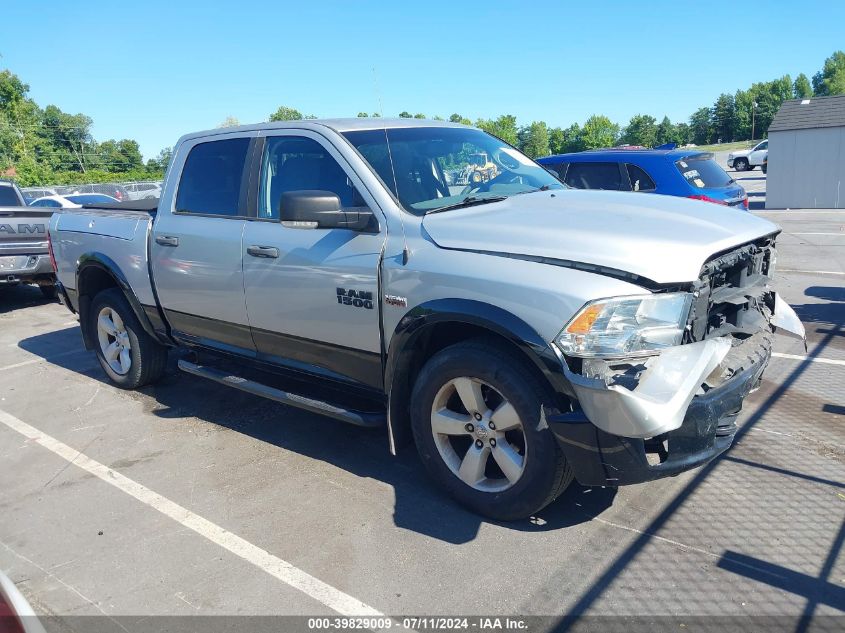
[(405, 250)]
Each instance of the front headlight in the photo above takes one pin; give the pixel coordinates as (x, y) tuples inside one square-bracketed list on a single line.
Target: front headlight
[(622, 327)]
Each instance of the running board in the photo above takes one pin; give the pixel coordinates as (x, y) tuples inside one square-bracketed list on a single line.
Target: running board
[(359, 418)]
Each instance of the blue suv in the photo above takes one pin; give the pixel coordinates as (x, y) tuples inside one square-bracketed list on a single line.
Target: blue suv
[(687, 173)]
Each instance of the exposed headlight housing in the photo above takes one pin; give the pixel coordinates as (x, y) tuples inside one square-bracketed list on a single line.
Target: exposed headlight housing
[(626, 327)]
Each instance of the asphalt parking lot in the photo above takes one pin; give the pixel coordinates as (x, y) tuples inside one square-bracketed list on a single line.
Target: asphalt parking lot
[(189, 499)]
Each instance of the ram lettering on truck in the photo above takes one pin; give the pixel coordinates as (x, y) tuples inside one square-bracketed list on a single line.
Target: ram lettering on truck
[(520, 333), (24, 256)]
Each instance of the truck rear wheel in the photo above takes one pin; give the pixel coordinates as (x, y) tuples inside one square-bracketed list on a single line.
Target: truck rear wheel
[(129, 356), (476, 413)]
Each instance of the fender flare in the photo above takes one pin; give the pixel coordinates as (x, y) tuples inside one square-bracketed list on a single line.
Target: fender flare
[(110, 267), (496, 320)]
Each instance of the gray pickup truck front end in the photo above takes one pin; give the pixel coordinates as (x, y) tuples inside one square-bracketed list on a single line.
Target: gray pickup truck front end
[(646, 415)]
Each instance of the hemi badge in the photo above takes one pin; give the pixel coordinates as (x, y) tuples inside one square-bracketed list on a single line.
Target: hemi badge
[(393, 300)]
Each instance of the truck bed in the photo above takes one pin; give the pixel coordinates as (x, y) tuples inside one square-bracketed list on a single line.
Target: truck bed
[(110, 233)]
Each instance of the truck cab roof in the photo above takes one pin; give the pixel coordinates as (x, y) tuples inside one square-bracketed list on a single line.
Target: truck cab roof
[(338, 125)]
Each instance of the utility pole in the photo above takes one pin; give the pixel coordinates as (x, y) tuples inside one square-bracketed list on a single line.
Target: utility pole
[(753, 112)]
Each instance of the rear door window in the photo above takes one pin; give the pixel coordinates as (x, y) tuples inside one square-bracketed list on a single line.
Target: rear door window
[(211, 179), (595, 176), (640, 180), (702, 172)]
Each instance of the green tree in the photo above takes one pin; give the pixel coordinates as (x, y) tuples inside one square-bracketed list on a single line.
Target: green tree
[(286, 114), (419, 115), (457, 118), (801, 88), (375, 115), (573, 139), (118, 156), (683, 133), (363, 115), (503, 127), (533, 139), (599, 132), (641, 130), (161, 161), (405, 115), (700, 128), (723, 117), (830, 80), (229, 121), (666, 132), (557, 140)]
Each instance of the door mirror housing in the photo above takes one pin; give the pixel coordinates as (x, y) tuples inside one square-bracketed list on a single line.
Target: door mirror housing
[(313, 208)]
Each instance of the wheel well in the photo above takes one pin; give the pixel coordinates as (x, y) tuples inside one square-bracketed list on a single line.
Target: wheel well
[(425, 344), (92, 281)]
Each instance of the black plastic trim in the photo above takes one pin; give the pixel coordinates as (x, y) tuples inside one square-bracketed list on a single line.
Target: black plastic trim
[(601, 459), (109, 266), (328, 359), (405, 341), (192, 328), (325, 360)]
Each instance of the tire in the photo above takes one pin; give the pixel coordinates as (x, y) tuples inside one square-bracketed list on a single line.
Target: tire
[(144, 359), (538, 470), (476, 177), (50, 292), (741, 164)]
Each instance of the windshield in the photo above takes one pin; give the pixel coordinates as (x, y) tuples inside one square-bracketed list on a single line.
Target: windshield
[(430, 168), (8, 197), (703, 172)]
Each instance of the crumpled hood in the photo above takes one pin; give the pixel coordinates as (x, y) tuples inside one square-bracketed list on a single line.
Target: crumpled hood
[(663, 238)]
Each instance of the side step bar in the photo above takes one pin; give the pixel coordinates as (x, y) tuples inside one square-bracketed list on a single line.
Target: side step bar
[(359, 418)]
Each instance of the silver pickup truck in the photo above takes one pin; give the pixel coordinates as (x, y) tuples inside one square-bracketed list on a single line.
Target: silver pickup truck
[(522, 334), (23, 242)]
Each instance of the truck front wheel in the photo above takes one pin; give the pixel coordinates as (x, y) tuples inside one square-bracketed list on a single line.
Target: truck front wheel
[(129, 356), (476, 413)]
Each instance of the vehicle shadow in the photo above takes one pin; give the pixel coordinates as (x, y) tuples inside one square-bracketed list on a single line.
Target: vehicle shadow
[(419, 504), (20, 297)]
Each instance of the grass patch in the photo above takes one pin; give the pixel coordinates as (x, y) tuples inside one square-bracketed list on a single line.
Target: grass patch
[(727, 147)]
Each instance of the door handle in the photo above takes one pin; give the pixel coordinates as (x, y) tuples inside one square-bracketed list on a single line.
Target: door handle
[(167, 240), (263, 251)]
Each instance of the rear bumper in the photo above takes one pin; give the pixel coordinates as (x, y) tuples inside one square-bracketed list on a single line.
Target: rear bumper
[(26, 269), (599, 458)]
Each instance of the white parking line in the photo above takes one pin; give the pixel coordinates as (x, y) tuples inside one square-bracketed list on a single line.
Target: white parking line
[(826, 361), (276, 567), (840, 233), (810, 272), (41, 359)]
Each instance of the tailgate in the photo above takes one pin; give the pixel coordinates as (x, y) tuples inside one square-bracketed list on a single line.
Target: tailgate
[(23, 230)]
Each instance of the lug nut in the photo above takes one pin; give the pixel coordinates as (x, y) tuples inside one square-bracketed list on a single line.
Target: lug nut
[(469, 427), (492, 425), (477, 415), (492, 441), (479, 444)]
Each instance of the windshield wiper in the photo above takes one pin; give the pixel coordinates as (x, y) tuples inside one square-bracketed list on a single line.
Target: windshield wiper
[(469, 201)]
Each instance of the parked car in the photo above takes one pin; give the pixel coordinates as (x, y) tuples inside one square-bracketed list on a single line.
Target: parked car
[(73, 200), (522, 333), (143, 190), (24, 257), (16, 614), (110, 189), (746, 159), (33, 193), (677, 172)]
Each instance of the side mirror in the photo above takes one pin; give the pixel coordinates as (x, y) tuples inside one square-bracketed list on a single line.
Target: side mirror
[(312, 208)]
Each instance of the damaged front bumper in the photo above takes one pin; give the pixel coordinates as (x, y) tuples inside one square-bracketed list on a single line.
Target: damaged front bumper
[(679, 413)]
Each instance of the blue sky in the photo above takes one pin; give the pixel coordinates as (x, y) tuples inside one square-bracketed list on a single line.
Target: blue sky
[(153, 70)]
